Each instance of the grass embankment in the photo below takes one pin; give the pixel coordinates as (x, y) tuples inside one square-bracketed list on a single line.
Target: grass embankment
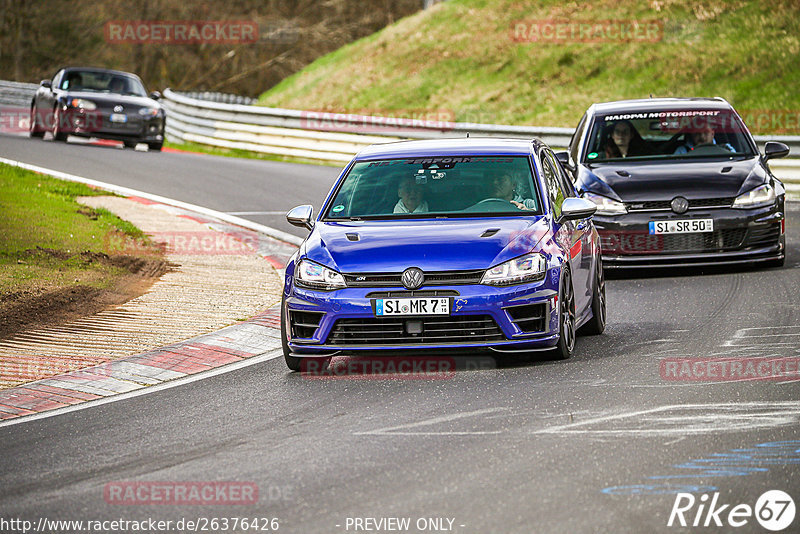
[(239, 153), (459, 57), (59, 259)]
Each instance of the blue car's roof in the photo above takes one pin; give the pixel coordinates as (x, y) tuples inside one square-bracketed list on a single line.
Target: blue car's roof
[(461, 146)]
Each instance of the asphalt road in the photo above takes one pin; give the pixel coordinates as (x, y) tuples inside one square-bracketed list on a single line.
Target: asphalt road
[(599, 443)]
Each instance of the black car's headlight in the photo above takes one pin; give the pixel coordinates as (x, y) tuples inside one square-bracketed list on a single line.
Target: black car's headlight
[(605, 205), (81, 103), (527, 268), (315, 276), (763, 195), (148, 113)]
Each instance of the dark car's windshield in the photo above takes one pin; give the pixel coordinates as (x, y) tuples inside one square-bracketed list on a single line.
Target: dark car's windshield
[(667, 134), (442, 186), (102, 82)]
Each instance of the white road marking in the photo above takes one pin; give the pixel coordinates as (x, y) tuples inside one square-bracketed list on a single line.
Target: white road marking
[(145, 390), (393, 430)]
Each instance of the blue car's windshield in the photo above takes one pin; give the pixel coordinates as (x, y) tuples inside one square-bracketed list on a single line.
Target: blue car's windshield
[(435, 187), (667, 134)]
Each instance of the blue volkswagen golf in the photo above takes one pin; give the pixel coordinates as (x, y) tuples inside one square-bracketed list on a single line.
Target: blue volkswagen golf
[(446, 245)]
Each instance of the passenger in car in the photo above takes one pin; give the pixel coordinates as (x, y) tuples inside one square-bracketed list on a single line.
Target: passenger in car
[(412, 196), (623, 140)]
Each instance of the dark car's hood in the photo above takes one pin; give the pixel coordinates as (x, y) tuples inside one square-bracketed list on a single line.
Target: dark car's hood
[(105, 100), (431, 245), (664, 180)]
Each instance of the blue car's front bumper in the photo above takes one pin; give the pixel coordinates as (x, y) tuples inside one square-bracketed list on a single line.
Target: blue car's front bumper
[(520, 317)]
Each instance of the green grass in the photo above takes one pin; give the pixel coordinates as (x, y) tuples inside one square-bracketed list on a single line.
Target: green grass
[(239, 153), (45, 235), (459, 58)]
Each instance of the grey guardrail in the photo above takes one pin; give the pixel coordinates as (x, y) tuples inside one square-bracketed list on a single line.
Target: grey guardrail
[(17, 93), (335, 136)]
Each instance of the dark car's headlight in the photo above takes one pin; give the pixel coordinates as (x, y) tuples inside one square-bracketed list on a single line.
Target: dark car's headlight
[(527, 268), (605, 205), (81, 103), (315, 276), (763, 195), (148, 113)]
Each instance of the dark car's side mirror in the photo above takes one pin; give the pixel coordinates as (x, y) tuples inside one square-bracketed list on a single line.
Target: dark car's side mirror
[(563, 158), (576, 208), (46, 83), (774, 149), (155, 95), (301, 216)]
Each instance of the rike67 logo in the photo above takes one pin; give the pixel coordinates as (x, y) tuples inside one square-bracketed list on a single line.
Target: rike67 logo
[(774, 510)]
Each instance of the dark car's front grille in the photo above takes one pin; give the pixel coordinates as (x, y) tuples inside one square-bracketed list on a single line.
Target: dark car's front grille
[(431, 279), (304, 324), (700, 203), (435, 330), (764, 235), (643, 243), (529, 317)]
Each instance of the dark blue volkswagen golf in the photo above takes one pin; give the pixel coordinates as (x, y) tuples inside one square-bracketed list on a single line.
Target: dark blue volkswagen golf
[(454, 245)]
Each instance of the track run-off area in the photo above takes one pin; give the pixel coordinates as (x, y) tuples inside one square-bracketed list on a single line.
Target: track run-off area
[(602, 442)]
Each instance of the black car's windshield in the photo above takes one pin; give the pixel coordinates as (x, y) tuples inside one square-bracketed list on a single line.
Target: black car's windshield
[(442, 186), (667, 134), (102, 82)]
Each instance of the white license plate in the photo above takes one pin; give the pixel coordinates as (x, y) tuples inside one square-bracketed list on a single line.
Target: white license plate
[(415, 306), (118, 117), (691, 226)]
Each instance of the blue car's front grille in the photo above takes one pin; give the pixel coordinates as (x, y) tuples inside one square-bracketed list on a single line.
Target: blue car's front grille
[(435, 330), (444, 278)]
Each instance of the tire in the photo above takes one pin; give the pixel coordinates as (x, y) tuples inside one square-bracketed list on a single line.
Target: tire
[(566, 317), (154, 147), (35, 130), (293, 362), (58, 135), (130, 144), (597, 324)]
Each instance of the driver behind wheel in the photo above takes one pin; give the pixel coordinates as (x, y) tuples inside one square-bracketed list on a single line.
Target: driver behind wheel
[(504, 187), (700, 137)]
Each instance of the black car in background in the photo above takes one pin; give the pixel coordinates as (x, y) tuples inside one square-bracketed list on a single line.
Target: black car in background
[(678, 182), (101, 103)]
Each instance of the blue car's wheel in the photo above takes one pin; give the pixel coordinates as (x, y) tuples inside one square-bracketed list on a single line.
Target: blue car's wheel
[(566, 317)]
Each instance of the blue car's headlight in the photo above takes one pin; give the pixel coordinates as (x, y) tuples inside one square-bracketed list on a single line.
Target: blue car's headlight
[(315, 276), (755, 198), (527, 268), (605, 205)]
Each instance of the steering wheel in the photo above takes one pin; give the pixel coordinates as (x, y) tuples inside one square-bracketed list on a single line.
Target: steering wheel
[(495, 204)]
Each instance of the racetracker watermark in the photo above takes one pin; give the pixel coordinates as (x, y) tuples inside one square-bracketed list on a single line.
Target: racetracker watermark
[(181, 493), (180, 32), (772, 121), (729, 369), (586, 31), (17, 120), (202, 243), (391, 368), (375, 121)]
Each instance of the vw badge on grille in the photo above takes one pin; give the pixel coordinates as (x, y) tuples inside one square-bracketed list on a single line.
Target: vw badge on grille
[(118, 109), (412, 278), (679, 205)]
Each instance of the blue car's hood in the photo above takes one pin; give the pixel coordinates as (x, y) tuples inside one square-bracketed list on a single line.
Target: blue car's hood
[(431, 245)]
